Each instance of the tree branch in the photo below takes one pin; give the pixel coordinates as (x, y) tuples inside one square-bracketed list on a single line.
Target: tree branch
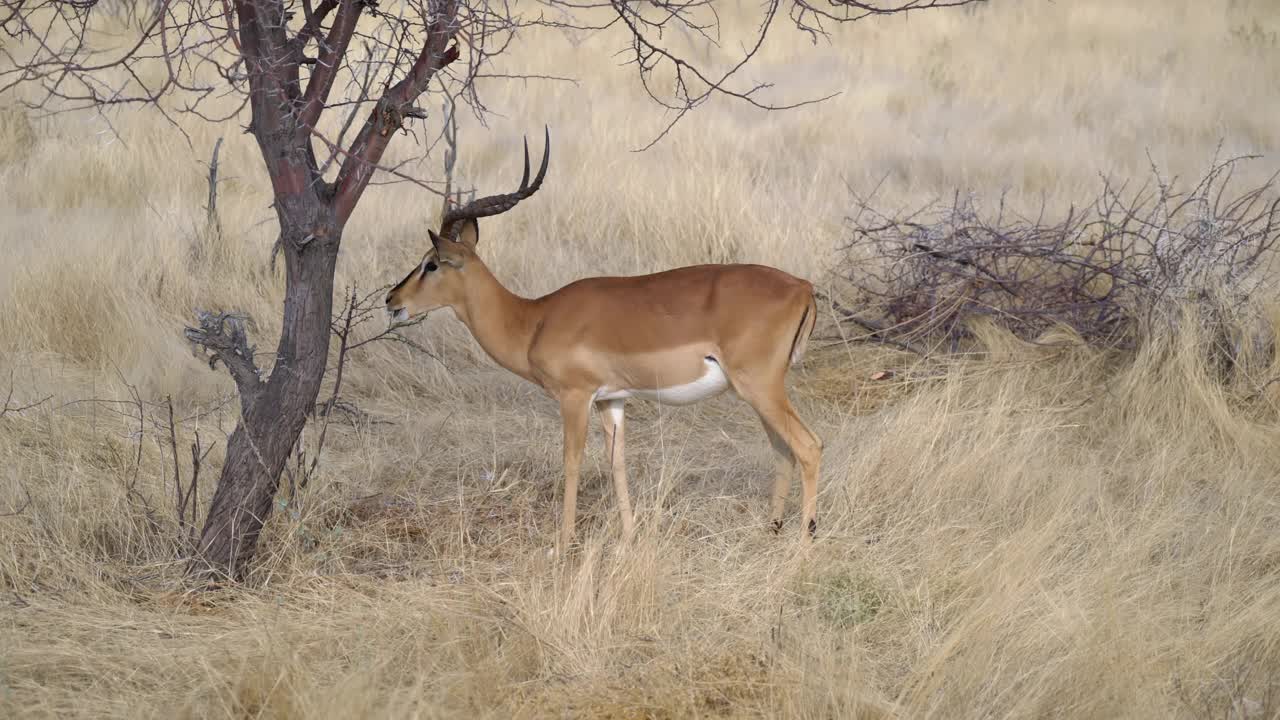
[(332, 52), (223, 336), (311, 23), (389, 113)]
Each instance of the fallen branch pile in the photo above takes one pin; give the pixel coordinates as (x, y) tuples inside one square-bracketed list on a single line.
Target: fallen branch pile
[(1128, 265)]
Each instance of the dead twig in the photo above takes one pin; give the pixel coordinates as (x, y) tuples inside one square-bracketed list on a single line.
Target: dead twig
[(213, 222), (131, 484), (9, 407), (22, 508), (190, 500), (177, 468)]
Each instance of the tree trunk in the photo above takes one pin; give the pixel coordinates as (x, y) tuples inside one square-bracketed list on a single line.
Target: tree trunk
[(272, 420), (311, 214)]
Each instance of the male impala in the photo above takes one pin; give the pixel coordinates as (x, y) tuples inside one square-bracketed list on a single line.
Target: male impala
[(675, 337)]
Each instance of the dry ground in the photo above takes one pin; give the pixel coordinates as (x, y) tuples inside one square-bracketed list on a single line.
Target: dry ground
[(1030, 533)]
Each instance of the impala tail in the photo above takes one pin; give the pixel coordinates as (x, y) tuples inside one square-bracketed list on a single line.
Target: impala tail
[(801, 341)]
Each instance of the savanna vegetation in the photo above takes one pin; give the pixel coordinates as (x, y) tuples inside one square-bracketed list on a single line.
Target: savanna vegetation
[(1020, 518)]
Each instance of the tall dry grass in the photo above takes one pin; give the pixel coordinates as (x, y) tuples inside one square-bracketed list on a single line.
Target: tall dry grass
[(1032, 532)]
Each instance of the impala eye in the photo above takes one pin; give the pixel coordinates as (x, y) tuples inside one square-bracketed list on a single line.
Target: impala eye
[(431, 266)]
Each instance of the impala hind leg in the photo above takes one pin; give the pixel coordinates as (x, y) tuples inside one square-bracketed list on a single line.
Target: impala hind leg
[(612, 417), (771, 403), (574, 412), (785, 467)]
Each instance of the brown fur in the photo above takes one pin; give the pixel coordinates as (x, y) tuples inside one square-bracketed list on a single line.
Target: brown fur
[(640, 332)]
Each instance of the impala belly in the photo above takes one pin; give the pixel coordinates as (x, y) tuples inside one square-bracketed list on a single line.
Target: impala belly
[(710, 383)]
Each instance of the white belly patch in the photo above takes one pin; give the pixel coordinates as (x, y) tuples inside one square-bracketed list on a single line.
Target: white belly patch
[(712, 382)]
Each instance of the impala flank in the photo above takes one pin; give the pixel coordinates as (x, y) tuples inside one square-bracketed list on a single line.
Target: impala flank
[(674, 337)]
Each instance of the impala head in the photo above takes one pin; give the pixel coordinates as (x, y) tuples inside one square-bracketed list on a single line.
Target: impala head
[(439, 280)]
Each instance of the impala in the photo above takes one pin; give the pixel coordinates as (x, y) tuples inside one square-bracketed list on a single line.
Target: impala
[(675, 337)]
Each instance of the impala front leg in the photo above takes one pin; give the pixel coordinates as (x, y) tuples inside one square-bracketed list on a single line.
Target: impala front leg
[(612, 416), (574, 411)]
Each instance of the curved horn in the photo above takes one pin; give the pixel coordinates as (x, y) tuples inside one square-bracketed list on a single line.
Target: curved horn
[(497, 204)]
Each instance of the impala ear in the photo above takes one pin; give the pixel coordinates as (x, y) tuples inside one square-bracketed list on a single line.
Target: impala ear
[(444, 254), (470, 233)]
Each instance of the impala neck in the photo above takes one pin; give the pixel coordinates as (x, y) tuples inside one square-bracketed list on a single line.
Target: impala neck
[(501, 321)]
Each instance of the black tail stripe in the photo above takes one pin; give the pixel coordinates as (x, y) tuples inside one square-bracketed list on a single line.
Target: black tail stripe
[(796, 340)]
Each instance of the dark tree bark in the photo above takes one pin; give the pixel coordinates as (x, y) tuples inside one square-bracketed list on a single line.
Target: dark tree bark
[(272, 421)]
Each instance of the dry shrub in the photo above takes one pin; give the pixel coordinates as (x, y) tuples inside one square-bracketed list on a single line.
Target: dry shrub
[(1124, 268)]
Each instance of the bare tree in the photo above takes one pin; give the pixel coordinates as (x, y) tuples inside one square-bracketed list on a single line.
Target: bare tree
[(282, 60)]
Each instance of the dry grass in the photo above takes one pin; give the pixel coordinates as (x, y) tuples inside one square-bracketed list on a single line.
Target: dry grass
[(1037, 532)]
